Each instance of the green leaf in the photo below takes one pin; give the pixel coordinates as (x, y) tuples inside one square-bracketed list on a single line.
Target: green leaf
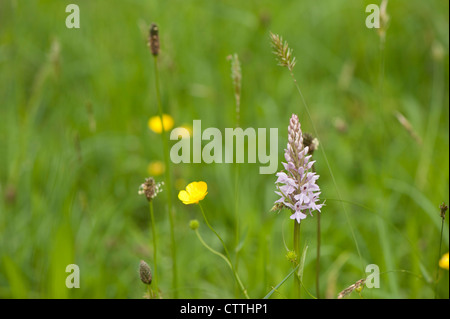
[(282, 282), (302, 263)]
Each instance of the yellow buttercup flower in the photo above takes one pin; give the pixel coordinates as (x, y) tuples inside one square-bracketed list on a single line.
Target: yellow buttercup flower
[(155, 168), (194, 193), (154, 123), (443, 263)]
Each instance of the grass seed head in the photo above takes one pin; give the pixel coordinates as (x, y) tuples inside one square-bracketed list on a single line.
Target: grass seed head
[(443, 208), (282, 51), (153, 39), (236, 75), (145, 273), (150, 188)]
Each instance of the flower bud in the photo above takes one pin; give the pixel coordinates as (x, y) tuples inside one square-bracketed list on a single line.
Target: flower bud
[(291, 256), (193, 224)]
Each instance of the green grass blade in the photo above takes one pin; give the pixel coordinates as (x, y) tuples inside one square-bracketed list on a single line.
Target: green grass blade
[(281, 283)]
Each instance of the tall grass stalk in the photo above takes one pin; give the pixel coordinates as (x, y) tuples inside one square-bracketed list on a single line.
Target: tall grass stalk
[(434, 116), (167, 181), (317, 252), (236, 217), (439, 255), (386, 205), (236, 76), (443, 208)]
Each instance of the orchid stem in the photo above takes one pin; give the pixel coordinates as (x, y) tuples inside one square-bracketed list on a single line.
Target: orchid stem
[(297, 252), (318, 258)]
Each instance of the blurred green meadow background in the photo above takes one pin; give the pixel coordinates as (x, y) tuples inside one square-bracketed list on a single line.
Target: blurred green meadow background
[(75, 145)]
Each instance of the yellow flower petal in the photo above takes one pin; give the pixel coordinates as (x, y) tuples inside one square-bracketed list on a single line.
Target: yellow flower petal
[(154, 123), (443, 263), (191, 188), (184, 197), (202, 187), (195, 192), (201, 196)]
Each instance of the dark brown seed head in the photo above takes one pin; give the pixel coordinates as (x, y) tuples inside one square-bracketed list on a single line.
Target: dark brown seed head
[(443, 208), (150, 188), (145, 273), (154, 39)]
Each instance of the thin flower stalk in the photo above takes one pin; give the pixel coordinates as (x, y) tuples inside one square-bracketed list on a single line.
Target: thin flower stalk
[(227, 260), (443, 210), (151, 189), (154, 48), (236, 76), (238, 280), (155, 248)]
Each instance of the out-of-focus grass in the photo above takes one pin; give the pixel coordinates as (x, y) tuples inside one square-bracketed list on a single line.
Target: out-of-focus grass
[(74, 143)]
